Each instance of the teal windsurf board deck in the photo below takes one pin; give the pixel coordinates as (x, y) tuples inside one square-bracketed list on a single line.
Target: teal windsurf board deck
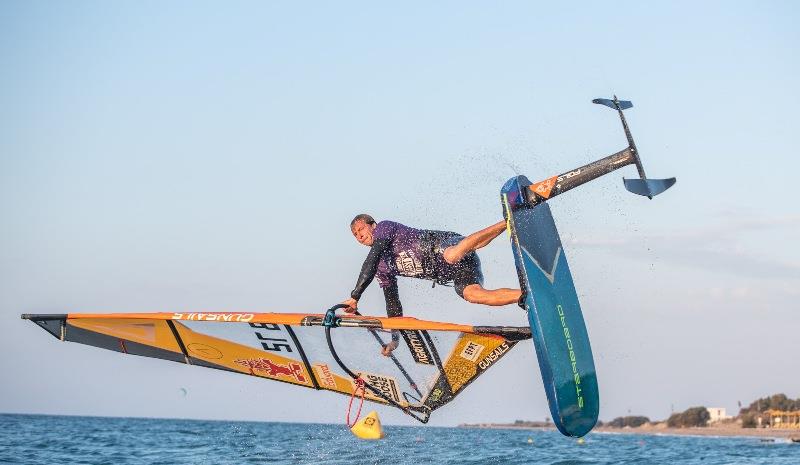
[(554, 313)]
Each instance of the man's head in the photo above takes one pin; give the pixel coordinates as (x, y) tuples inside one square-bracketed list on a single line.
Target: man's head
[(362, 227)]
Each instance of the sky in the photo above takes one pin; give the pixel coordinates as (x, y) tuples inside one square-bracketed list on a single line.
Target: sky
[(208, 156)]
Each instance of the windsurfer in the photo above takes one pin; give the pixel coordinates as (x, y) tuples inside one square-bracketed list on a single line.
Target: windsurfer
[(440, 256)]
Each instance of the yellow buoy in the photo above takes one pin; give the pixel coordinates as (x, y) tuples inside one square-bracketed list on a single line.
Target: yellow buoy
[(368, 427)]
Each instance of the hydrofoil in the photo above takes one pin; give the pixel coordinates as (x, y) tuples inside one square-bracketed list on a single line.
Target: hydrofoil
[(554, 313)]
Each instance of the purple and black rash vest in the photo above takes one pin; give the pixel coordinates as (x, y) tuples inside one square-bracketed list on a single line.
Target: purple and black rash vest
[(400, 250), (406, 254)]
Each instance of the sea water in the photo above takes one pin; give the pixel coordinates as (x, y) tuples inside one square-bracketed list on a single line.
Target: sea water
[(41, 439)]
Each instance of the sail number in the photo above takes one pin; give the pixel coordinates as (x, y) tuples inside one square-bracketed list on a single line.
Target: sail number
[(275, 344)]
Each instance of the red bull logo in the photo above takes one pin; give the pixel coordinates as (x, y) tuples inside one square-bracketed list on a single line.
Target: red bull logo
[(272, 369)]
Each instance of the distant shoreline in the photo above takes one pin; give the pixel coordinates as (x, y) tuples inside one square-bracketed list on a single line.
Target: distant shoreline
[(657, 430)]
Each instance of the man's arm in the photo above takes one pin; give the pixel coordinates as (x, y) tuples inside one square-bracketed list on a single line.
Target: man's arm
[(368, 270), (392, 296), (393, 308)]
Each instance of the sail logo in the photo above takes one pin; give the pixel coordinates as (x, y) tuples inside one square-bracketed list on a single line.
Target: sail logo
[(325, 376), (386, 385), (472, 351), (204, 351), (229, 317), (417, 347), (272, 369), (494, 356)]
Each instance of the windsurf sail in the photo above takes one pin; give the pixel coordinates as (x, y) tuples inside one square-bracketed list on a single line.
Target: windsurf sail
[(436, 364)]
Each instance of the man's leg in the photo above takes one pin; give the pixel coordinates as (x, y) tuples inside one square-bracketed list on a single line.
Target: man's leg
[(468, 281), (476, 294), (473, 242)]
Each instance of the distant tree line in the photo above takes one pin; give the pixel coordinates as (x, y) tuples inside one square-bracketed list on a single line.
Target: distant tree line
[(699, 416), (774, 402), (695, 416), (750, 414), (631, 421)]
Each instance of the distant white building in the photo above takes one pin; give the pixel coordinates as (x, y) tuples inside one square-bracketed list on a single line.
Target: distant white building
[(717, 414)]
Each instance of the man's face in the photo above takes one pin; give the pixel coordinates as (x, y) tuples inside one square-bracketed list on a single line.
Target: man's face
[(363, 232)]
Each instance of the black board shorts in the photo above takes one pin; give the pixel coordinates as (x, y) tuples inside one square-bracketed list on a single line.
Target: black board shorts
[(462, 274)]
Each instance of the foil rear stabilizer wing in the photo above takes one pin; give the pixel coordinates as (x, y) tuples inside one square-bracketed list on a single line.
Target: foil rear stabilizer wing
[(642, 186), (530, 195)]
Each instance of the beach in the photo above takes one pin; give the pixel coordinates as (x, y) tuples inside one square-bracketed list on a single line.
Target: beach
[(722, 429)]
